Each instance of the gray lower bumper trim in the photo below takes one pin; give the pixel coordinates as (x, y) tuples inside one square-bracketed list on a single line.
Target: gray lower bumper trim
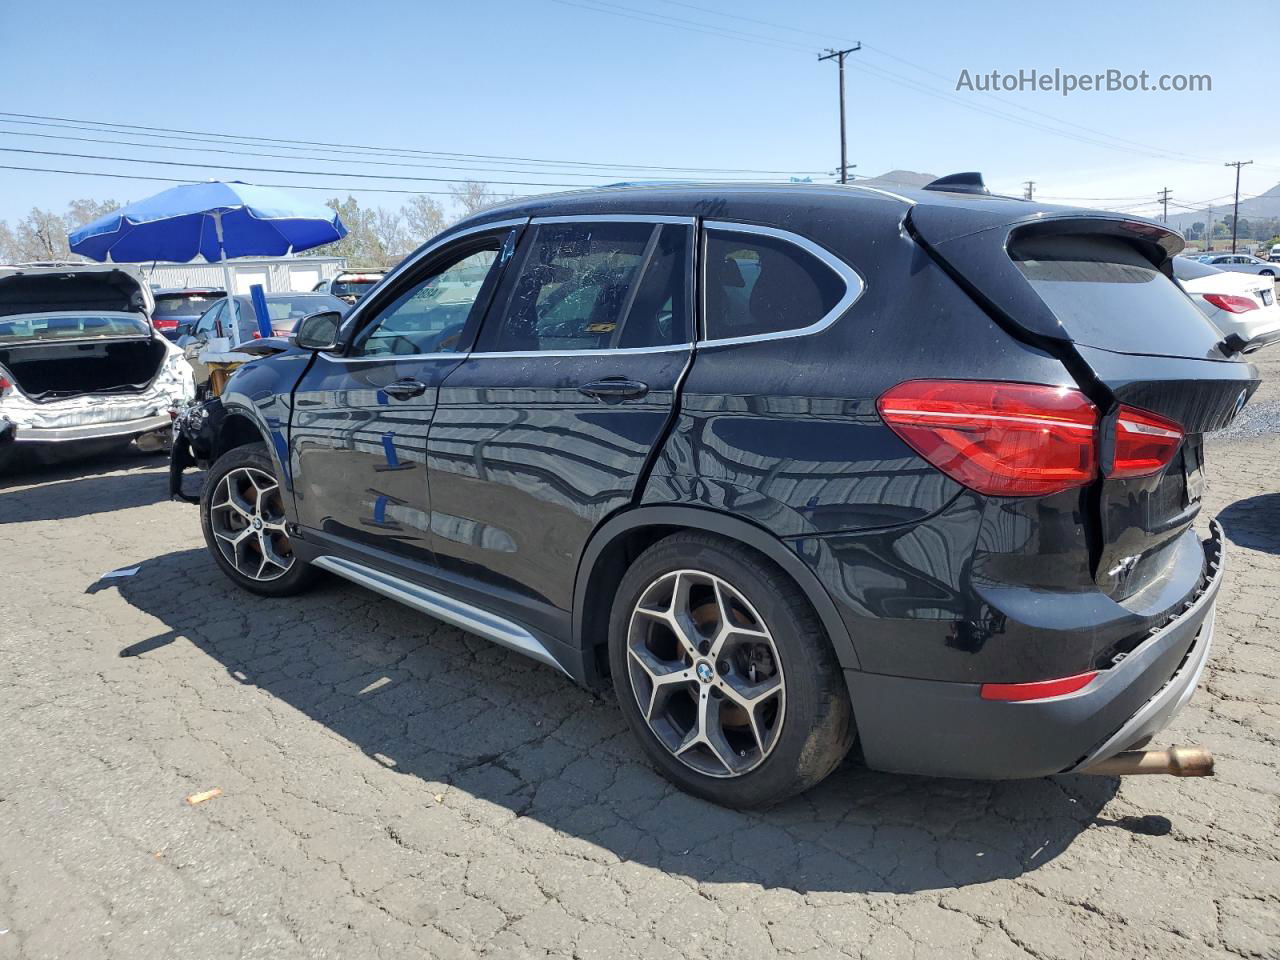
[(1160, 709), (92, 431)]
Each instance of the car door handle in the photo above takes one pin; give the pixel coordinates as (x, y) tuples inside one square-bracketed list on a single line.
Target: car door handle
[(614, 389), (405, 389)]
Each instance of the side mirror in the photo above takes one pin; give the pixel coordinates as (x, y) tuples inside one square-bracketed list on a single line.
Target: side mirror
[(317, 331)]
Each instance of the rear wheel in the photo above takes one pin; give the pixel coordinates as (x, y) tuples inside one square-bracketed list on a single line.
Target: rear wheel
[(242, 514), (725, 674)]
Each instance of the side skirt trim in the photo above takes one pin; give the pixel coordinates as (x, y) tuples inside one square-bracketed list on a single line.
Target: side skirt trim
[(442, 607)]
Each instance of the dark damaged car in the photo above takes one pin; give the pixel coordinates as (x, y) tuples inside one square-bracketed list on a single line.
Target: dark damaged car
[(790, 467), (80, 361)]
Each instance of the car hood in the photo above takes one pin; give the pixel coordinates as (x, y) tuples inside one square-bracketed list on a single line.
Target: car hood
[(80, 287)]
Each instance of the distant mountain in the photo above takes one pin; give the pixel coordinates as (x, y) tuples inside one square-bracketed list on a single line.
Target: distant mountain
[(899, 178), (1264, 205)]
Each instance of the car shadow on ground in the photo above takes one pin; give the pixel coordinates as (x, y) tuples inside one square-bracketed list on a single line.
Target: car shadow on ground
[(78, 488), (1254, 522), (436, 704)]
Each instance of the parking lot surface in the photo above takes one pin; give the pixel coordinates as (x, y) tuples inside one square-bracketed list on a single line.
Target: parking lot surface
[(392, 787)]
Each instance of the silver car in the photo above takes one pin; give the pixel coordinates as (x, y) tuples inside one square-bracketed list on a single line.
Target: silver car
[(1241, 263)]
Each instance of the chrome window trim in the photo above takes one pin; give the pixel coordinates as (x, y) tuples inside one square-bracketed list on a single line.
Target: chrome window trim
[(854, 285), (607, 352), (615, 218), (409, 263), (594, 352)]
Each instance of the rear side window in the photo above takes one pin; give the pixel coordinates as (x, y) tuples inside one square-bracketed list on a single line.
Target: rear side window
[(594, 286), (758, 285), (1106, 294)]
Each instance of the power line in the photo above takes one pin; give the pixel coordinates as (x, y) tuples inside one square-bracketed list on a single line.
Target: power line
[(305, 173), (281, 186), (1164, 200), (1134, 147), (285, 156), (662, 19), (202, 136)]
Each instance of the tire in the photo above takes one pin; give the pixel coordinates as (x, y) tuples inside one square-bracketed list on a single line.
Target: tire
[(765, 719), (1267, 273), (262, 561)]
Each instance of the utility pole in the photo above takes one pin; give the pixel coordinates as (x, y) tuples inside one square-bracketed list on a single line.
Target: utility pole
[(1208, 231), (1029, 189), (1235, 216), (838, 56), (1164, 199)]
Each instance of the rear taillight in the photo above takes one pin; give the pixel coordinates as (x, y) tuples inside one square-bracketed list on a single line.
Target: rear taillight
[(5, 386), (1005, 439), (1231, 303), (1145, 443), (1020, 439)]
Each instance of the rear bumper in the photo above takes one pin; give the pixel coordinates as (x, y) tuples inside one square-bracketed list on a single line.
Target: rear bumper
[(937, 728), (93, 431)]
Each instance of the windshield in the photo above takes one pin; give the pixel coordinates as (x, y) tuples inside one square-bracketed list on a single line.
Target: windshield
[(183, 304), (71, 328)]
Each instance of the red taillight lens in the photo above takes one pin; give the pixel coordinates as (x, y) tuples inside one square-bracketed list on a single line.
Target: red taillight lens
[(5, 385), (1230, 302), (1040, 690), (1145, 443), (1004, 439)]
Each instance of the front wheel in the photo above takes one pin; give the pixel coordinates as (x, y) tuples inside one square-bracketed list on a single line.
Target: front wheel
[(725, 674), (242, 514)]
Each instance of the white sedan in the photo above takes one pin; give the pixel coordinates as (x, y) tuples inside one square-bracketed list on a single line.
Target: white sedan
[(1241, 263), (1243, 307)]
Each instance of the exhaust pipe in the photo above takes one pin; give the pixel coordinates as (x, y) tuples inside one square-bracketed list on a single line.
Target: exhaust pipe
[(1175, 761)]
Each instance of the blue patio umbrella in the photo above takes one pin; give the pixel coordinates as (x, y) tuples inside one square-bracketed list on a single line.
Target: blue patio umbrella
[(215, 220)]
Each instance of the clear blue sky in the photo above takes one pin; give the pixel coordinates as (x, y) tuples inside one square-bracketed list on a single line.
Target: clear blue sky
[(552, 79)]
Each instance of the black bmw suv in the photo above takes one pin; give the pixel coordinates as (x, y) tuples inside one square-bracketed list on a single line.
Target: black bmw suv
[(792, 467)]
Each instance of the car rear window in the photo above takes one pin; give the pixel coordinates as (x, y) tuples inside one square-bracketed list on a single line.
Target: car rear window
[(71, 328), (758, 285), (352, 288), (183, 304), (1106, 294)]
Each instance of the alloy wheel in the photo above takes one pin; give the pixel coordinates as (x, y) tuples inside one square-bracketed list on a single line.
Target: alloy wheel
[(246, 515), (706, 673)]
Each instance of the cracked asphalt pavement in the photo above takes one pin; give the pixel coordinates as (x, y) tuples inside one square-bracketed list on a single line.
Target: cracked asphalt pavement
[(393, 787)]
